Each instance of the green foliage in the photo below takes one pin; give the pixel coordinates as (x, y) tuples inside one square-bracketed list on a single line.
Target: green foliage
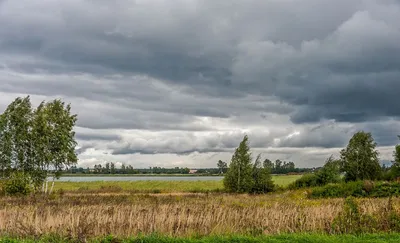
[(394, 171), (307, 180), (239, 176), (35, 141), (222, 166), (359, 160), (357, 189), (329, 173), (262, 178), (243, 176), (18, 184)]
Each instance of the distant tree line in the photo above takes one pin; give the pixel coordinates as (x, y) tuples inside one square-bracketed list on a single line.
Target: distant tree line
[(110, 168), (277, 167)]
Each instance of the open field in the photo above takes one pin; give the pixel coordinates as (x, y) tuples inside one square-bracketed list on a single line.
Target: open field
[(133, 175), (159, 186), (309, 238), (82, 216)]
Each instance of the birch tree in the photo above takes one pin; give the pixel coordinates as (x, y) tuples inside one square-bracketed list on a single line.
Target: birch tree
[(35, 142)]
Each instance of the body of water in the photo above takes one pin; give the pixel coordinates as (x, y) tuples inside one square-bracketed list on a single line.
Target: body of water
[(140, 178)]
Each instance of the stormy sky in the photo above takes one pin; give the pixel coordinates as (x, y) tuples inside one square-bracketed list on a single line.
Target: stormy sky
[(179, 83)]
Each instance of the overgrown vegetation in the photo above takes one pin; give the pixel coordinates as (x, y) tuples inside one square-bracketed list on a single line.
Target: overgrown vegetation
[(358, 162), (329, 173), (357, 189)]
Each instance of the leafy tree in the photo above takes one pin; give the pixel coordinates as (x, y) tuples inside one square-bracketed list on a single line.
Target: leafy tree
[(268, 164), (16, 137), (123, 169), (57, 142), (112, 168), (329, 173), (359, 160), (395, 169), (34, 142), (222, 166), (397, 155), (262, 178), (278, 164), (239, 176)]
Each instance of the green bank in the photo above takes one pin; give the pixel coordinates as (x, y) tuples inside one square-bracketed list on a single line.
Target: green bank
[(159, 186)]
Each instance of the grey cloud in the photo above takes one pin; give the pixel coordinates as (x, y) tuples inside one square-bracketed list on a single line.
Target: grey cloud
[(326, 135), (94, 136), (209, 66), (209, 49)]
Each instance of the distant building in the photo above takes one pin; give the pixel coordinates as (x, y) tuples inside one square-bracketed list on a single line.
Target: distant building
[(192, 171)]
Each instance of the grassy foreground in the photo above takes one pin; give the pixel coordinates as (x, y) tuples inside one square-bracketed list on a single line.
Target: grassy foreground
[(160, 186), (92, 215), (309, 238)]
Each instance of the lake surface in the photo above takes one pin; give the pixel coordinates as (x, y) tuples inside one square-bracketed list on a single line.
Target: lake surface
[(140, 178)]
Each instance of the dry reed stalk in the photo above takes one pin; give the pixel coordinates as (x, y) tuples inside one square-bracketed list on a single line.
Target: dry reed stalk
[(170, 215)]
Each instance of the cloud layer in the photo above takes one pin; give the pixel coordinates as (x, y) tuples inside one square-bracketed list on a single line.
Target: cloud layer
[(178, 83)]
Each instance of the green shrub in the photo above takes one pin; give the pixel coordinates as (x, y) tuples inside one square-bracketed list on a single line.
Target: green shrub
[(18, 184), (357, 189), (307, 180)]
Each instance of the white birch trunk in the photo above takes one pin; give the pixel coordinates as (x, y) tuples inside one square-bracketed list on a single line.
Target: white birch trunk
[(52, 186), (47, 183)]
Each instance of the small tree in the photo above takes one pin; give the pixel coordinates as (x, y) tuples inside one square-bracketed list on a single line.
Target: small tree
[(262, 178), (329, 173), (112, 167), (268, 164), (359, 160), (222, 166), (395, 170), (239, 176)]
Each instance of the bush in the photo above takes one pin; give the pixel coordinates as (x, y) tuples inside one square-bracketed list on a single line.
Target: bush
[(357, 189), (329, 173), (307, 180), (18, 184)]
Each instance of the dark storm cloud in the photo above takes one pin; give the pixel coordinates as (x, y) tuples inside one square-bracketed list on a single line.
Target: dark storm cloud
[(165, 65)]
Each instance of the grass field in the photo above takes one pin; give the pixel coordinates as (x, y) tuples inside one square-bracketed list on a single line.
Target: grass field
[(185, 215), (159, 186), (292, 238)]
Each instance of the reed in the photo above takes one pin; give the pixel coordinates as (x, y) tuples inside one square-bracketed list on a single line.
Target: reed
[(94, 215)]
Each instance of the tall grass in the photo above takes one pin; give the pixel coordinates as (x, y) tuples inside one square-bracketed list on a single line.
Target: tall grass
[(81, 216), (292, 238)]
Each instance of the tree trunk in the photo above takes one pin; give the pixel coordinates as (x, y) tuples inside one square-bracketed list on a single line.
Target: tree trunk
[(52, 186), (238, 186), (47, 183)]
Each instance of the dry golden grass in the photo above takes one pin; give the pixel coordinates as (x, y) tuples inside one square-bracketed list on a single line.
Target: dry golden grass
[(85, 215)]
